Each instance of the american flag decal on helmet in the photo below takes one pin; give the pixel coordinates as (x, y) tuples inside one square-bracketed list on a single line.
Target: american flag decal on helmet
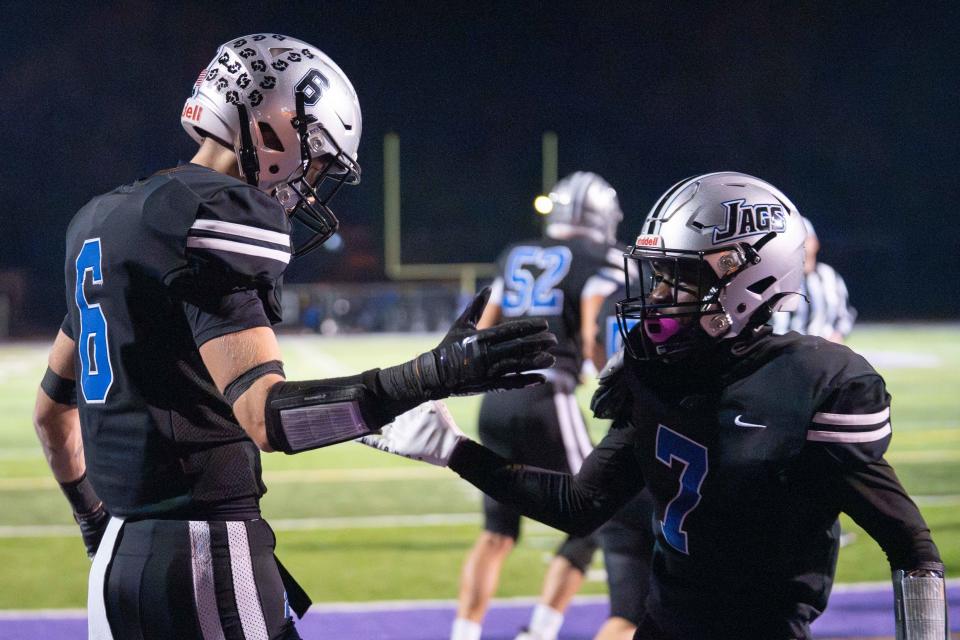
[(196, 85)]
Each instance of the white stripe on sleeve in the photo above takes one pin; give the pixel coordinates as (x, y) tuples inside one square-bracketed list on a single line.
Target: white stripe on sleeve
[(243, 231), (849, 436), (218, 244), (852, 419)]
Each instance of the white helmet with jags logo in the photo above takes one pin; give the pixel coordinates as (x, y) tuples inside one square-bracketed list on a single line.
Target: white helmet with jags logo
[(717, 254), (292, 117)]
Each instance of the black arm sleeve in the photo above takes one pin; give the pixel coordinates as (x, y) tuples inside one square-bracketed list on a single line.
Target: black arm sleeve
[(66, 327), (577, 504), (872, 495)]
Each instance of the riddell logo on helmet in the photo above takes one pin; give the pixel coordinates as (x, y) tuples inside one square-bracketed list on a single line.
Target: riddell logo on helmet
[(192, 112), (649, 241), (750, 220)]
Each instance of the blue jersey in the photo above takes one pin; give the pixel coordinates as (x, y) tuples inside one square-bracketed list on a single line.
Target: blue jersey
[(547, 278)]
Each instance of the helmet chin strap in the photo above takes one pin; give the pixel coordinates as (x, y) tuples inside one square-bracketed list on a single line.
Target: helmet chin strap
[(249, 162)]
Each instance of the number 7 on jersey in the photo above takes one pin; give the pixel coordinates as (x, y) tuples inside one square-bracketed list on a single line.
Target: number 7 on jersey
[(674, 447)]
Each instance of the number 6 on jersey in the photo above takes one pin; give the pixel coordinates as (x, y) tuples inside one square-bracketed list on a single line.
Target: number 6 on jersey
[(96, 372)]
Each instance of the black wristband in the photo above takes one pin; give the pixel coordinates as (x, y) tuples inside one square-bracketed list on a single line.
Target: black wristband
[(59, 389), (81, 495), (239, 385), (416, 381)]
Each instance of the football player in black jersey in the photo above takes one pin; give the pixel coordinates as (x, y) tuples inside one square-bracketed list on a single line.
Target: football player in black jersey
[(165, 381), (562, 278), (751, 444)]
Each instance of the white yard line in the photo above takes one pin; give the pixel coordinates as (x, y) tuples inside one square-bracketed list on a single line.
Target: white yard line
[(400, 521)]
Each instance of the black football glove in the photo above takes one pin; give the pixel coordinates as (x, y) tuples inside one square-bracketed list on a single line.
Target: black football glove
[(469, 360), (88, 511)]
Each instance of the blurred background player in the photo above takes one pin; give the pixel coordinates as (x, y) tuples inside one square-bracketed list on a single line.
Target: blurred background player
[(825, 311), (563, 278), (167, 350)]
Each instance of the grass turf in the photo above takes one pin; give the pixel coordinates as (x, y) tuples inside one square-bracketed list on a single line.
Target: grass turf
[(369, 561)]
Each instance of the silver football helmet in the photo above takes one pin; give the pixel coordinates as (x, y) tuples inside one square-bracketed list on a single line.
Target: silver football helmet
[(292, 117), (586, 203), (717, 254)]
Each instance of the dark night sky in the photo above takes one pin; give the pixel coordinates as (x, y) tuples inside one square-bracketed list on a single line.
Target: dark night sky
[(852, 109)]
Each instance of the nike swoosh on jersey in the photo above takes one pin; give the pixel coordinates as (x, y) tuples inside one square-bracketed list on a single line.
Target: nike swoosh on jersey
[(740, 423)]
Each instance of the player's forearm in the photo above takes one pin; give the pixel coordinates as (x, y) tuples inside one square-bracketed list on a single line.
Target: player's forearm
[(877, 501), (58, 428), (552, 498)]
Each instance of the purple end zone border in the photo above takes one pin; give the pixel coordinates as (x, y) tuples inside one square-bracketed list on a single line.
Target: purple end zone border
[(854, 612)]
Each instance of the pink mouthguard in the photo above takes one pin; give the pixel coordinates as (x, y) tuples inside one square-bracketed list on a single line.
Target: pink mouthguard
[(659, 331)]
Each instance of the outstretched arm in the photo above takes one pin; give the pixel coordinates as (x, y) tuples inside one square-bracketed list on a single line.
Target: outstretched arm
[(297, 416), (577, 504)]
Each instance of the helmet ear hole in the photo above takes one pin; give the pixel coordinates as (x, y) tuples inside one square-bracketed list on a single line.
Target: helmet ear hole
[(761, 285), (270, 138)]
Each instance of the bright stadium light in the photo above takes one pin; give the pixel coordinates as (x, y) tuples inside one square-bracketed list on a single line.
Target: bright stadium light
[(543, 205)]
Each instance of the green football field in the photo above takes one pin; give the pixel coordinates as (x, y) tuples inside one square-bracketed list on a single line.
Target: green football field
[(360, 525)]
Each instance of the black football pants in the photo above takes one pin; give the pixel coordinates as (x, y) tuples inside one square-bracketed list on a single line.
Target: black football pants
[(209, 580), (542, 427)]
